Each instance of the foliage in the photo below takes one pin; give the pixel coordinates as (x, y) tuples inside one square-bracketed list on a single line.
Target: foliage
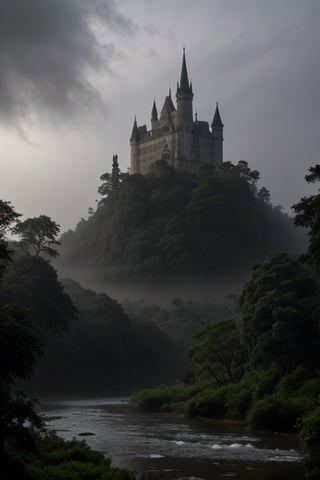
[(16, 336), (219, 352), (310, 442), (49, 457), (276, 413), (239, 399), (207, 403), (157, 399), (264, 381), (8, 216), (19, 351), (26, 454), (277, 324), (170, 224), (180, 319), (308, 215), (111, 182), (32, 283), (38, 234), (105, 351)]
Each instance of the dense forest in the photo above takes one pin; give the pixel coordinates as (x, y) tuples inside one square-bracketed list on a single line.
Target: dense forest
[(252, 356), (33, 306), (171, 227), (262, 364), (89, 342)]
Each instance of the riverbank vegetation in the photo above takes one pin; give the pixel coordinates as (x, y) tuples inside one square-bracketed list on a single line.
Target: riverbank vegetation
[(27, 450), (263, 365)]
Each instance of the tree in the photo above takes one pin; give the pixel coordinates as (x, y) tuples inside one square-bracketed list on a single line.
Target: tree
[(111, 182), (32, 283), (38, 234), (264, 195), (7, 217), (219, 352), (277, 324), (308, 215), (19, 351)]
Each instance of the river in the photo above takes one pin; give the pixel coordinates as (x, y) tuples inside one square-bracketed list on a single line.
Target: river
[(173, 445)]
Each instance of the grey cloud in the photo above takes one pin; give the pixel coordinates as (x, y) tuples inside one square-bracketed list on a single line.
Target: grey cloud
[(47, 47)]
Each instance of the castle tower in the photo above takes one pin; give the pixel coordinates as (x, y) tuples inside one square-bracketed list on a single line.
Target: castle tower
[(184, 97), (217, 133)]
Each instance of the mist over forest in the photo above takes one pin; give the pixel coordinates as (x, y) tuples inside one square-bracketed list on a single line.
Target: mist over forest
[(196, 235), (194, 280)]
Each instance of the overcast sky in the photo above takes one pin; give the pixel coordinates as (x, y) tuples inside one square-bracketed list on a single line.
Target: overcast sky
[(73, 73)]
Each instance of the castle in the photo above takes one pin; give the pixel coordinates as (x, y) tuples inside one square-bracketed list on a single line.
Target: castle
[(177, 137)]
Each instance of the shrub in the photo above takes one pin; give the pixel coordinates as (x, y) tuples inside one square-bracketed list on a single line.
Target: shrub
[(275, 413), (290, 384), (208, 403), (310, 443), (163, 397), (311, 390), (238, 401), (264, 383)]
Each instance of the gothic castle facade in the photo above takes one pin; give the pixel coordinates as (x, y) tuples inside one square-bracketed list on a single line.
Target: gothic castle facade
[(176, 136)]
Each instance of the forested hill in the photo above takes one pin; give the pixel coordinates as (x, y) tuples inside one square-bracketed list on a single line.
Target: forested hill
[(170, 224)]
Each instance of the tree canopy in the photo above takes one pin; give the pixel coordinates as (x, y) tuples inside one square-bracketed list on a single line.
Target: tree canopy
[(38, 234), (170, 224), (277, 322), (308, 215), (8, 216)]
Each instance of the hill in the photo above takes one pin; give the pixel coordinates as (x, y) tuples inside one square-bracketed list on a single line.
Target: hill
[(171, 226)]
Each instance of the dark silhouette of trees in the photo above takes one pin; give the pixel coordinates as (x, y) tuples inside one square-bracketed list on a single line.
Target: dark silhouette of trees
[(8, 216), (277, 324), (111, 182), (308, 215), (219, 352), (171, 223), (38, 234)]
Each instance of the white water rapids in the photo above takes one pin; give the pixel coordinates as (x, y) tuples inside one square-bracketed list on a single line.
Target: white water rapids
[(173, 445)]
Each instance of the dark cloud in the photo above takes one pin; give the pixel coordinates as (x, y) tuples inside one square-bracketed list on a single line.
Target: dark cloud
[(47, 48)]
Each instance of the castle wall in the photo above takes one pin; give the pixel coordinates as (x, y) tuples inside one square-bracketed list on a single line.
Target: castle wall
[(152, 149)]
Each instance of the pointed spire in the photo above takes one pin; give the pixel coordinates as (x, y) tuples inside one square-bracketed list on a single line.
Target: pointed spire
[(170, 102), (217, 122), (184, 85), (135, 131), (168, 106), (154, 114)]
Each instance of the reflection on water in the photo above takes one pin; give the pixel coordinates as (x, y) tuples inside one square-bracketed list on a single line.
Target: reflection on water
[(174, 445)]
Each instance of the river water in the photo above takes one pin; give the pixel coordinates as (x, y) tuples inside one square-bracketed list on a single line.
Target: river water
[(173, 445)]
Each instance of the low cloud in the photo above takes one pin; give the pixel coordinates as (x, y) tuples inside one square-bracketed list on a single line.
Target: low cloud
[(48, 50)]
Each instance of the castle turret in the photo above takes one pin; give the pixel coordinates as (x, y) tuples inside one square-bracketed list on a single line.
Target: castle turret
[(167, 110), (184, 97), (135, 132), (217, 132), (134, 147), (154, 115)]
